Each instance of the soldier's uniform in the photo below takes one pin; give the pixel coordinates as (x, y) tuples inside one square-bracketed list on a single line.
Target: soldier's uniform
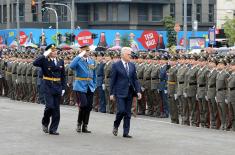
[(29, 88), (201, 93), (141, 103), (171, 89), (179, 93), (155, 82), (110, 105), (23, 80), (14, 79), (231, 95), (34, 84), (221, 89), (147, 87), (9, 78), (190, 91)]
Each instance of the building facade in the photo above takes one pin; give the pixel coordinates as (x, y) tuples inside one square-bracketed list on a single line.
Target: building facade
[(109, 14), (225, 10)]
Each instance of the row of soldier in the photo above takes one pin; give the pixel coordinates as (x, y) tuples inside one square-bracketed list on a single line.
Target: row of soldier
[(195, 90)]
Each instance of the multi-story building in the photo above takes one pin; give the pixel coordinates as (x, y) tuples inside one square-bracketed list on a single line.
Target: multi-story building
[(109, 14), (225, 10)]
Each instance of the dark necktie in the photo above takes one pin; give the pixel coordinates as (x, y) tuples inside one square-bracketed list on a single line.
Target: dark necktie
[(127, 68)]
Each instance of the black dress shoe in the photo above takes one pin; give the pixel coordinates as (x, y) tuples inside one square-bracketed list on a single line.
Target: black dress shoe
[(85, 130), (127, 136), (54, 133), (115, 131), (44, 128)]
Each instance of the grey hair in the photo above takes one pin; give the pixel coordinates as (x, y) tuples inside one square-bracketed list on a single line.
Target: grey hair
[(124, 49)]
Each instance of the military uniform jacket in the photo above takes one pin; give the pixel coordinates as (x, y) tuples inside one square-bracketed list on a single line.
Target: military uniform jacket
[(23, 72), (50, 70), (211, 84), (85, 74), (14, 71), (231, 88), (155, 74), (9, 71), (100, 73), (147, 76), (163, 77), (29, 67), (140, 73), (18, 72), (202, 82), (191, 82), (34, 75), (107, 72), (172, 80), (2, 68), (221, 86), (181, 78)]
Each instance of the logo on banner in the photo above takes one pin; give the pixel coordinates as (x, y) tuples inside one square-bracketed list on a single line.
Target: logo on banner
[(181, 43), (23, 37), (84, 38), (149, 39), (1, 40), (211, 36)]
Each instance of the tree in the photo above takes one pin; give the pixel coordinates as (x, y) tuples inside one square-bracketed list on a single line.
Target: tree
[(229, 29), (169, 24)]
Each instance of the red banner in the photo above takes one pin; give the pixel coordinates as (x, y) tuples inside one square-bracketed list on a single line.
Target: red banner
[(23, 38), (84, 38), (149, 39), (1, 40)]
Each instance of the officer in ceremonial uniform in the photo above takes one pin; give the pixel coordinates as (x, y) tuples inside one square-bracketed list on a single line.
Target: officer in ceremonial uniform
[(84, 85), (53, 85)]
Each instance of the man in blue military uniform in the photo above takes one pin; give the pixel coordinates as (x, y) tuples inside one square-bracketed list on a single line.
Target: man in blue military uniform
[(53, 85), (84, 86)]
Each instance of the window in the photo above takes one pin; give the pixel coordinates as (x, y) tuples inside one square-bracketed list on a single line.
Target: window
[(46, 17), (14, 12), (96, 13), (142, 12), (172, 10), (198, 12), (62, 13), (35, 13), (21, 12), (123, 12), (0, 13), (157, 14), (82, 12), (110, 12), (189, 13), (4, 13), (211, 13)]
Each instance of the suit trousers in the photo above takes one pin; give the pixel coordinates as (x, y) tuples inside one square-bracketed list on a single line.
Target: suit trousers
[(52, 110), (124, 112)]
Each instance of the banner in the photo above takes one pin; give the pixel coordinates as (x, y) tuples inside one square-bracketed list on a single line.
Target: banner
[(84, 38), (149, 39)]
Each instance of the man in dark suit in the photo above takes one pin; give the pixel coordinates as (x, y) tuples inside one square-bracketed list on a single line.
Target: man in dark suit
[(123, 86), (53, 86)]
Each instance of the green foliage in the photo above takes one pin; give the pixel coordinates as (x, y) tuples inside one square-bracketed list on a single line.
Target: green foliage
[(125, 41), (169, 24), (229, 29)]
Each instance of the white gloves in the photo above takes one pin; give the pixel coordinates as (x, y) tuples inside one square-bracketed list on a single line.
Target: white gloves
[(226, 101), (139, 96), (165, 91), (185, 95), (82, 54), (63, 91), (216, 100), (46, 53), (103, 86), (176, 96), (142, 88), (206, 98)]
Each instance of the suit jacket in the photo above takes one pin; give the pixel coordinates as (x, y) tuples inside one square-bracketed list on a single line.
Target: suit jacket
[(120, 82)]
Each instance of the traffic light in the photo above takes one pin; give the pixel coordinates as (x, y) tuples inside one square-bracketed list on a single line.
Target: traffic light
[(94, 36), (33, 6), (43, 6)]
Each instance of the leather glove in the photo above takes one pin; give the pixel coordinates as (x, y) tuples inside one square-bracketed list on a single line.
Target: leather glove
[(63, 91)]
